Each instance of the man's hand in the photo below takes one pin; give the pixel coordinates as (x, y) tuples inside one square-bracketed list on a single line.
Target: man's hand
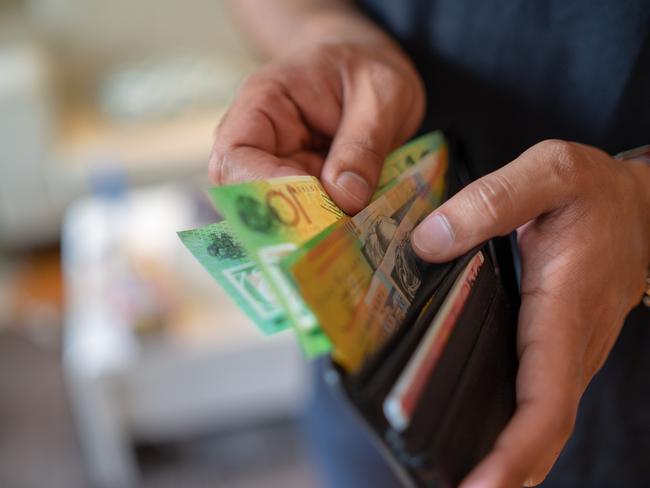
[(330, 110), (583, 221)]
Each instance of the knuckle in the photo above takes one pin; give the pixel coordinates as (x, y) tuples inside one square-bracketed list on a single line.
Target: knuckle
[(393, 83), (343, 54), (264, 86), (344, 51), (379, 70), (216, 167), (222, 163), (269, 94), (566, 162), (493, 198), (252, 82), (392, 86), (385, 75), (485, 201), (363, 150)]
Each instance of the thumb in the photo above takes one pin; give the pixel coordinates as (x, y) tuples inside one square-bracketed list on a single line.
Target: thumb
[(370, 127), (531, 185)]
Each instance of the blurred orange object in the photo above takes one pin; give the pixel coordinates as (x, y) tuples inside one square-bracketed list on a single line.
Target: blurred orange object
[(36, 290)]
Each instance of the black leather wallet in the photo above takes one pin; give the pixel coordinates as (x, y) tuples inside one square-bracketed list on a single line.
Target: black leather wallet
[(469, 395)]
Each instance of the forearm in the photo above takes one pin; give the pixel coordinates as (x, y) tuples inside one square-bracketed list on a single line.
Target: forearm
[(277, 27)]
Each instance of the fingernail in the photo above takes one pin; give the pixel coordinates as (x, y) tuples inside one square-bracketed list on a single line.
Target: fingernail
[(353, 184), (433, 236)]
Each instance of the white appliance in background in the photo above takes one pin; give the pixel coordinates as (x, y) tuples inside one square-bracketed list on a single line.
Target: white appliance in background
[(27, 214)]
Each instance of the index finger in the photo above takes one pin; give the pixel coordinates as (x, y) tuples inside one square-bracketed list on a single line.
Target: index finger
[(264, 134)]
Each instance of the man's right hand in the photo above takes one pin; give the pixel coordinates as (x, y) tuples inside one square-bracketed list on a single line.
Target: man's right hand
[(333, 111)]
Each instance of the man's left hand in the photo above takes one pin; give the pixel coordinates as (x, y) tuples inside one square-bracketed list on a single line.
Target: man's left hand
[(583, 221)]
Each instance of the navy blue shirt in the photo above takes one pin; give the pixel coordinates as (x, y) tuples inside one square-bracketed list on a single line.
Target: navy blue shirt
[(504, 75), (509, 73)]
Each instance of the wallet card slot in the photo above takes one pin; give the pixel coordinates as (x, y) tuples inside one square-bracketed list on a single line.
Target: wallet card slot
[(482, 402), (435, 275), (441, 384), (371, 386)]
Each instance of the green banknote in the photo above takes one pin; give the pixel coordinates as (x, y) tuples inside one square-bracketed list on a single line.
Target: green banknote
[(272, 218), (274, 222), (219, 251)]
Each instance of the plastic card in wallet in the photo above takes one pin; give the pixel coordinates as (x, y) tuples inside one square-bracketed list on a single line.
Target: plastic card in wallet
[(442, 388)]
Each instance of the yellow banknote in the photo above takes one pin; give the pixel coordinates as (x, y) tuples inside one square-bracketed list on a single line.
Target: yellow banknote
[(392, 288), (334, 276)]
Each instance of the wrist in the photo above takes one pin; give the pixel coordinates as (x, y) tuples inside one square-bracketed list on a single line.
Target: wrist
[(280, 27), (352, 31), (342, 25)]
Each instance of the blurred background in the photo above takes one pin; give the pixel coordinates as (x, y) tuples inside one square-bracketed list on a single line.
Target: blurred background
[(121, 362)]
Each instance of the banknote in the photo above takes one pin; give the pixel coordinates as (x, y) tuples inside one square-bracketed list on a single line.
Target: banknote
[(398, 278), (219, 251), (334, 275), (405, 157), (392, 288), (396, 166), (272, 218)]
